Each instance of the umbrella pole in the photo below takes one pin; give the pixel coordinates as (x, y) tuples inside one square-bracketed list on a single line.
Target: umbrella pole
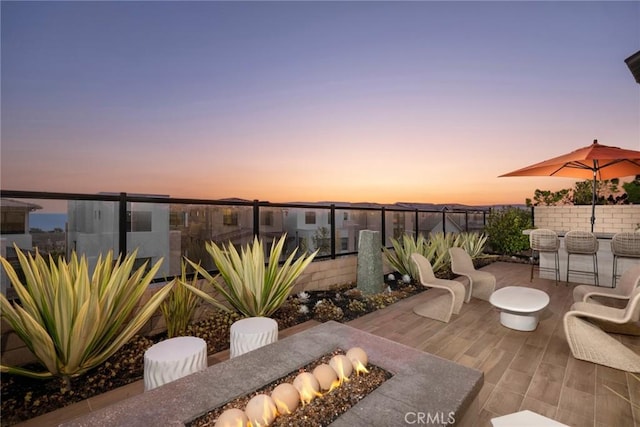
[(593, 201)]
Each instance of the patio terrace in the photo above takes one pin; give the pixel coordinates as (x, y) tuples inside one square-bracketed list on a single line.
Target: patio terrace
[(522, 370)]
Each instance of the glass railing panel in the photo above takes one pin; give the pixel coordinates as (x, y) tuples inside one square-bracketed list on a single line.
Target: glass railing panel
[(398, 223), (362, 219), (272, 226), (454, 222), (271, 223), (93, 228), (192, 226), (430, 223), (30, 225), (476, 221), (349, 223), (308, 229), (148, 233)]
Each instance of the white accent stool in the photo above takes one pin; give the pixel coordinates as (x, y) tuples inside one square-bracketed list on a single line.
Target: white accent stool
[(525, 419), (251, 333), (520, 306), (173, 358)]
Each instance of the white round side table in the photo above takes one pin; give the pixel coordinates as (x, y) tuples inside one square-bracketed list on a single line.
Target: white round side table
[(173, 358), (252, 333), (520, 306)]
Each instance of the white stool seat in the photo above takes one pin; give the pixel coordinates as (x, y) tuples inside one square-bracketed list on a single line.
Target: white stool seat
[(519, 306), (252, 333), (173, 358), (525, 419)]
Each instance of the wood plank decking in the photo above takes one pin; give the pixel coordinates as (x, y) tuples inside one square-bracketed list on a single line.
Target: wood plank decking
[(523, 370)]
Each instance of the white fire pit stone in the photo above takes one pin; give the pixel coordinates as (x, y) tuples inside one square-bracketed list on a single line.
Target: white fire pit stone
[(173, 358), (422, 384)]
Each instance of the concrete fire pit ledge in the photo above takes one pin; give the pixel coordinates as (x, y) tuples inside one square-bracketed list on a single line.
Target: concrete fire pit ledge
[(423, 388)]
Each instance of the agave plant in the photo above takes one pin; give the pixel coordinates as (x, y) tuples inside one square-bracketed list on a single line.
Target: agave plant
[(252, 286), (473, 243), (73, 321), (400, 257), (180, 305), (437, 249)]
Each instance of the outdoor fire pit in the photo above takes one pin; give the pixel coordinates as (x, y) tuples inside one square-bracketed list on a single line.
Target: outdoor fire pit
[(423, 387)]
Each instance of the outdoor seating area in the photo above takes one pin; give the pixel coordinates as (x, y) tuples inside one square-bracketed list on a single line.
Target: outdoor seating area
[(532, 371)]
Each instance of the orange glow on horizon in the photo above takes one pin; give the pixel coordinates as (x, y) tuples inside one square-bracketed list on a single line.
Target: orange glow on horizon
[(501, 191)]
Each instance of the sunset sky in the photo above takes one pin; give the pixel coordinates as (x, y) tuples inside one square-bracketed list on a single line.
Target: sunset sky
[(311, 101)]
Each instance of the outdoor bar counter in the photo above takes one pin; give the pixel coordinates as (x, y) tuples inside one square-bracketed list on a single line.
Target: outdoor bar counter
[(584, 262)]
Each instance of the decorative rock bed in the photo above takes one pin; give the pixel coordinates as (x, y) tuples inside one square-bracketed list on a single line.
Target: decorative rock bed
[(423, 386)]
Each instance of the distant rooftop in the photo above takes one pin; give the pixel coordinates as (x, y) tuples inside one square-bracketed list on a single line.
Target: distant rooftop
[(10, 203)]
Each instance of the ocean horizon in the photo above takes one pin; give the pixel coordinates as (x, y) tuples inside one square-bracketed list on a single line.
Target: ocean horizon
[(47, 221)]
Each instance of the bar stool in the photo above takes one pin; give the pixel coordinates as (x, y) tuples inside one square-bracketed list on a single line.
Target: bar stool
[(543, 240), (578, 242), (624, 245)]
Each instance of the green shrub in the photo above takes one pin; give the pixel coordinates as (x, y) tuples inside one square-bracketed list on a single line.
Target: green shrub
[(180, 305), (251, 286), (504, 230), (71, 321)]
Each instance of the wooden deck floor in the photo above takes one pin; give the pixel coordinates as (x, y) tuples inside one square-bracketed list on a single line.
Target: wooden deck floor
[(523, 370)]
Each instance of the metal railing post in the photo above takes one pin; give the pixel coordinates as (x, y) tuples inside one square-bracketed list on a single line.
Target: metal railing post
[(122, 225), (383, 228), (256, 218), (332, 219), (533, 217)]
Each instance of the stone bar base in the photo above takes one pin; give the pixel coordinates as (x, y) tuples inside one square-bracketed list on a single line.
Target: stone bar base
[(173, 358)]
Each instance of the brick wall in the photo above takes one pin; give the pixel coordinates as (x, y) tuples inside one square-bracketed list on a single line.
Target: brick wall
[(609, 218)]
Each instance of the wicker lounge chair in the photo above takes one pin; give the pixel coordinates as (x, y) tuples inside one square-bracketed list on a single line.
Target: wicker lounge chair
[(616, 297), (629, 280), (481, 283), (446, 297), (589, 342)]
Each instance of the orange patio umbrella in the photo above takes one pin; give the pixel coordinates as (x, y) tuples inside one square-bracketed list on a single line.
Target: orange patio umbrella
[(595, 162)]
